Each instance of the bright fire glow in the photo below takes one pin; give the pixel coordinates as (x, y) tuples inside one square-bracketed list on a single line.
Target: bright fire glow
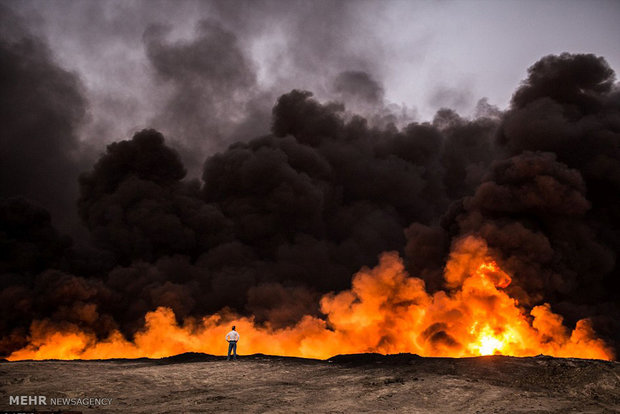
[(491, 343), (385, 311)]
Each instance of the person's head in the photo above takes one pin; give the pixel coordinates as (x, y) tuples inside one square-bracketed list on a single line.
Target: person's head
[(234, 328)]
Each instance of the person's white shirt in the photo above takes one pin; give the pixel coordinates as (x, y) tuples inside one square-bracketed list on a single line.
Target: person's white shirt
[(232, 336)]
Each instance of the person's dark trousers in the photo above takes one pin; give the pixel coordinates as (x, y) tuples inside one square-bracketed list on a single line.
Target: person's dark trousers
[(232, 347)]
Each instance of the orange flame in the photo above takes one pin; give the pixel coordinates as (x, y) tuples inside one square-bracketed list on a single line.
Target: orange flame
[(385, 311)]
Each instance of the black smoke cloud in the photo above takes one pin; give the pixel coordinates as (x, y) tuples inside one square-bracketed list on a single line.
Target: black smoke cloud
[(276, 221), (280, 219), (549, 205), (359, 91), (135, 205), (205, 74), (42, 106), (214, 96)]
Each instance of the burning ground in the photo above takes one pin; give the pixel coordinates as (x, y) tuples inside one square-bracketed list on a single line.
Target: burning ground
[(385, 311), (343, 384), (334, 232)]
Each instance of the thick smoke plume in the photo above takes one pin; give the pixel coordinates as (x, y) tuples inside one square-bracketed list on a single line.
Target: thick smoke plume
[(42, 107), (213, 95), (279, 221)]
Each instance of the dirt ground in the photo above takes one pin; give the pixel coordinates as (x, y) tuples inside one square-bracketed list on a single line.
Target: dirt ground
[(196, 383)]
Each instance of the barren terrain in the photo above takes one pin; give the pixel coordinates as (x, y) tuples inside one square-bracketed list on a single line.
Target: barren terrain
[(197, 383)]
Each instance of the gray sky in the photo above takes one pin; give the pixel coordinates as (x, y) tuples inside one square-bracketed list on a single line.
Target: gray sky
[(425, 54)]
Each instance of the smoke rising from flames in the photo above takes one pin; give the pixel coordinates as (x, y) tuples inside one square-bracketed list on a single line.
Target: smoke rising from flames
[(385, 311), (276, 222)]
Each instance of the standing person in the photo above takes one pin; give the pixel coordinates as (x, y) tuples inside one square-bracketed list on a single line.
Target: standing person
[(232, 337)]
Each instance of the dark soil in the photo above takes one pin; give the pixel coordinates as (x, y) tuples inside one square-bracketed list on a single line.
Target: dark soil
[(404, 383)]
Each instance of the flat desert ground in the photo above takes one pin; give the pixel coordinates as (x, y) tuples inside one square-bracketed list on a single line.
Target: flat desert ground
[(403, 383)]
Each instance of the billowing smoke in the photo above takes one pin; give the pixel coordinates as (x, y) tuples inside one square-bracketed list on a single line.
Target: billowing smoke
[(280, 219), (549, 204), (214, 95), (42, 107)]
